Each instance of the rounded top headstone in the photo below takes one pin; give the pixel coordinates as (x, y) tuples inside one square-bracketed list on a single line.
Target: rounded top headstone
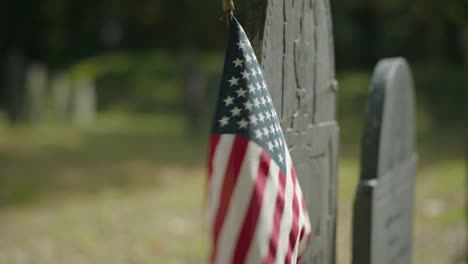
[(388, 137)]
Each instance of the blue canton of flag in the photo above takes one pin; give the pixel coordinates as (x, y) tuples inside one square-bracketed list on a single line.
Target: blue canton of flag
[(256, 210), (246, 107)]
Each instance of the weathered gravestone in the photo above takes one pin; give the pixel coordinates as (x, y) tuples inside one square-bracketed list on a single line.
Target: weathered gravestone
[(61, 95), (383, 209), (84, 102), (36, 84), (293, 42)]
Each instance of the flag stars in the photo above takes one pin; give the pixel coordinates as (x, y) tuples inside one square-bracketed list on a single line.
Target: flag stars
[(276, 143), (272, 129), (236, 111), (243, 123), (259, 72), (257, 103), (254, 73), (245, 106), (241, 92), (258, 133), (248, 105), (261, 117), (237, 62), (233, 81), (253, 119), (270, 146), (259, 87), (280, 157), (224, 121), (228, 101), (251, 88), (248, 58), (245, 74)]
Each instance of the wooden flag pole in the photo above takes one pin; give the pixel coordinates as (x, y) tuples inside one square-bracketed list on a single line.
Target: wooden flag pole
[(228, 6)]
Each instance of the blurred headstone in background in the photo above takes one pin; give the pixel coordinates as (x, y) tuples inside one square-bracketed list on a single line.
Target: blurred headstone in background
[(14, 77), (383, 207), (195, 86), (35, 84), (84, 102), (61, 92)]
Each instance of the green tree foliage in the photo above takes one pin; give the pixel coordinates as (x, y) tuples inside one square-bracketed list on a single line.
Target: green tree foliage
[(420, 30), (431, 34)]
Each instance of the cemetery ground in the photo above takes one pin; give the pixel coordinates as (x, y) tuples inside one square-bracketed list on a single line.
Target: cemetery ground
[(130, 189)]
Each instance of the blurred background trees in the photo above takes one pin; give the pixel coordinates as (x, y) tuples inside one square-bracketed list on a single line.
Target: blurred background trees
[(432, 35), (133, 51)]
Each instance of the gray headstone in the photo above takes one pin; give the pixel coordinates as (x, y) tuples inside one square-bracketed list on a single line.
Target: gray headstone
[(84, 103), (293, 41), (61, 94), (36, 83), (383, 208)]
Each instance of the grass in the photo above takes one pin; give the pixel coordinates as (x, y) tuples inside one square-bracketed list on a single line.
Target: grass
[(130, 190), (145, 225)]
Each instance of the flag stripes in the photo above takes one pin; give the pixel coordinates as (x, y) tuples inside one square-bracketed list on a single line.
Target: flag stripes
[(279, 208), (256, 211), (251, 219), (260, 246), (258, 217), (230, 176), (240, 198)]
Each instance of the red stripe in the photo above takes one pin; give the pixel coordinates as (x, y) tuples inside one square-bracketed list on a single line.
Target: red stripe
[(251, 219), (230, 178), (279, 208), (213, 144), (295, 221)]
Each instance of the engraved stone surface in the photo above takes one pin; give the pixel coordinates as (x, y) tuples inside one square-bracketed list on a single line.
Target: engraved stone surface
[(383, 208), (293, 41)]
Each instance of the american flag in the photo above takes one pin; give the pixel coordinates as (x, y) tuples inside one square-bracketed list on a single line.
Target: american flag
[(256, 210)]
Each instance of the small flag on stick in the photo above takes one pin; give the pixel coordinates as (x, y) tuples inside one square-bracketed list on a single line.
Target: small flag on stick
[(256, 210)]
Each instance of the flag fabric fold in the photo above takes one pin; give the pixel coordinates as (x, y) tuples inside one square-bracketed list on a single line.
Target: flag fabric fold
[(256, 211)]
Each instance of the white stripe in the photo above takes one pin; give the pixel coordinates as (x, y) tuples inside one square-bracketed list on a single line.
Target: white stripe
[(286, 221), (239, 203), (294, 251), (220, 161), (261, 240)]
